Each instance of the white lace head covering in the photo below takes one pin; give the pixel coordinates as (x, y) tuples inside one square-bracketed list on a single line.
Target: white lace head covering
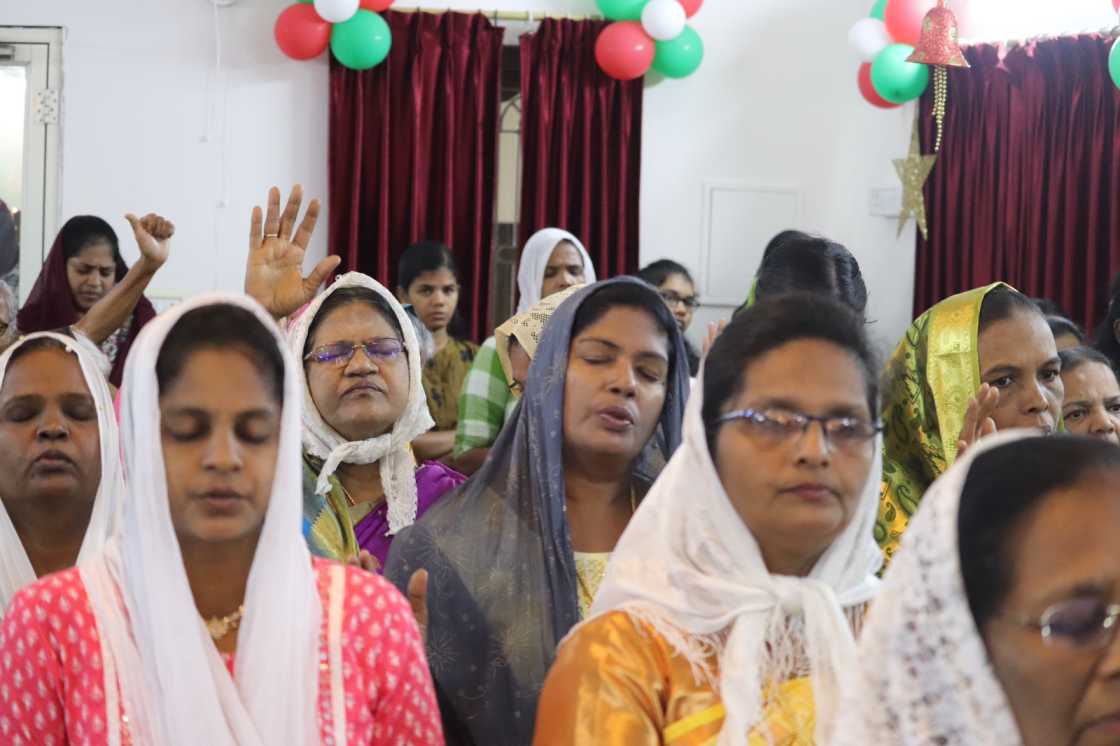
[(527, 328), (534, 261), (391, 450), (15, 567), (176, 689), (689, 566), (924, 676)]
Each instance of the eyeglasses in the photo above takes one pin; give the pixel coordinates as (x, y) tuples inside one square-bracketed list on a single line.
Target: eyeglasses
[(783, 425), (341, 353), (1084, 622), (672, 299)]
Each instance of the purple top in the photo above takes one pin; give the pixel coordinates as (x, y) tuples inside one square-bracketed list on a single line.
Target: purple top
[(433, 481)]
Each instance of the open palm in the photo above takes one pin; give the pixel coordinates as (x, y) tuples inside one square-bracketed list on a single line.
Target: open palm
[(274, 273)]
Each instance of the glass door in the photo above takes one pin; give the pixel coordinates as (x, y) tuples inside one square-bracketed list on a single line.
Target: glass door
[(30, 77)]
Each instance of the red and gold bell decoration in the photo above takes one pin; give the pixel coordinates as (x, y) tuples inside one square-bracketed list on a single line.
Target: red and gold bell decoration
[(939, 46)]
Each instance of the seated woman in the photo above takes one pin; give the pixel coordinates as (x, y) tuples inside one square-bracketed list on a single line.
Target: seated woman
[(799, 262), (428, 281), (751, 560), (995, 625), (62, 483), (975, 363), (516, 554), (551, 261), (205, 620), (363, 399), (675, 284), (1091, 405), (85, 283)]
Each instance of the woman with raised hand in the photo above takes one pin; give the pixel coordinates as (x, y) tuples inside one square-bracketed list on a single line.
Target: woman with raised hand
[(996, 623), (729, 608), (63, 482), (85, 284), (205, 620), (975, 363), (516, 555), (363, 401)]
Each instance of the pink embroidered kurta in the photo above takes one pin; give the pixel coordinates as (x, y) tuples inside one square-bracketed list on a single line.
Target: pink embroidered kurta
[(51, 679)]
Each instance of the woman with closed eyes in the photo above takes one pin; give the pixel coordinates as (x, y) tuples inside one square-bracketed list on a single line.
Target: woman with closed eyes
[(364, 401)]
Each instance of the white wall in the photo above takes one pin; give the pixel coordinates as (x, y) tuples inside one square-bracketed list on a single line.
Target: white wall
[(150, 123)]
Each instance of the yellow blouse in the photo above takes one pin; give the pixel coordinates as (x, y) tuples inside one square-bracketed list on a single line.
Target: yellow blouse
[(616, 681), (590, 569)]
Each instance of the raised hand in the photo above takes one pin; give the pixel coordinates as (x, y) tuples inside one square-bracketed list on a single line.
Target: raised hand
[(153, 236), (274, 272), (714, 330), (978, 419), (418, 600), (366, 561)]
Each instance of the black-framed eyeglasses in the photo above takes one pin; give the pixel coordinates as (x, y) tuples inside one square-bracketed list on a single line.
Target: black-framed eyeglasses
[(784, 425), (1084, 622), (383, 349), (672, 299)]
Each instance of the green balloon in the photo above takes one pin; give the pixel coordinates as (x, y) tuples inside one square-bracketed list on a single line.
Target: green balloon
[(622, 10), (363, 41), (895, 79), (1114, 62), (879, 10), (679, 57)]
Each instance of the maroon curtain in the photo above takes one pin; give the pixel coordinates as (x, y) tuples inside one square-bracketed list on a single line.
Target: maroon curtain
[(413, 151), (581, 145), (1027, 187)]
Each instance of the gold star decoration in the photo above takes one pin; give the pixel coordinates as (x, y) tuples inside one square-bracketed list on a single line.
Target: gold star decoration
[(913, 170)]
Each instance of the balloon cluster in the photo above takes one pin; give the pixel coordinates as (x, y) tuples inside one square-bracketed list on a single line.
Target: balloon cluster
[(649, 34), (358, 37), (883, 41), (1114, 53)]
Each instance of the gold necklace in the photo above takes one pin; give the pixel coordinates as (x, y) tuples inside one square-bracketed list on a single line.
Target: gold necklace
[(220, 627)]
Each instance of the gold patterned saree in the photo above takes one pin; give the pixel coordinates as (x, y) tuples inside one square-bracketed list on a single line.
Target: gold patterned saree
[(927, 385)]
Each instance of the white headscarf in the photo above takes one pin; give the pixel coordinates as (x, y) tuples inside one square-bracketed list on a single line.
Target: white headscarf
[(15, 567), (924, 675), (176, 689), (534, 260), (689, 566), (392, 449)]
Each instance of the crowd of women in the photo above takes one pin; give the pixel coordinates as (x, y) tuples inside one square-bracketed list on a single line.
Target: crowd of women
[(308, 515)]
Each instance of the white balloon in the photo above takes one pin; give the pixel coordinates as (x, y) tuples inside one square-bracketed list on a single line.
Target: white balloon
[(868, 37), (336, 11), (664, 20)]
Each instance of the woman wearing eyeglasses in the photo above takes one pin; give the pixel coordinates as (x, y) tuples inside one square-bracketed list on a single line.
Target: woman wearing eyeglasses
[(677, 289), (751, 561), (996, 624), (364, 402)]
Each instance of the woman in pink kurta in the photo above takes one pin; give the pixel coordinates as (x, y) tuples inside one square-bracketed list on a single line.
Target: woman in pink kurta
[(51, 674), (205, 620)]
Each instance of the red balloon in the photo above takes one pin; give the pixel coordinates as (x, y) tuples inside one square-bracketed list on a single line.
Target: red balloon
[(868, 90), (301, 33), (692, 7), (377, 6), (1116, 4), (624, 50), (904, 19)]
